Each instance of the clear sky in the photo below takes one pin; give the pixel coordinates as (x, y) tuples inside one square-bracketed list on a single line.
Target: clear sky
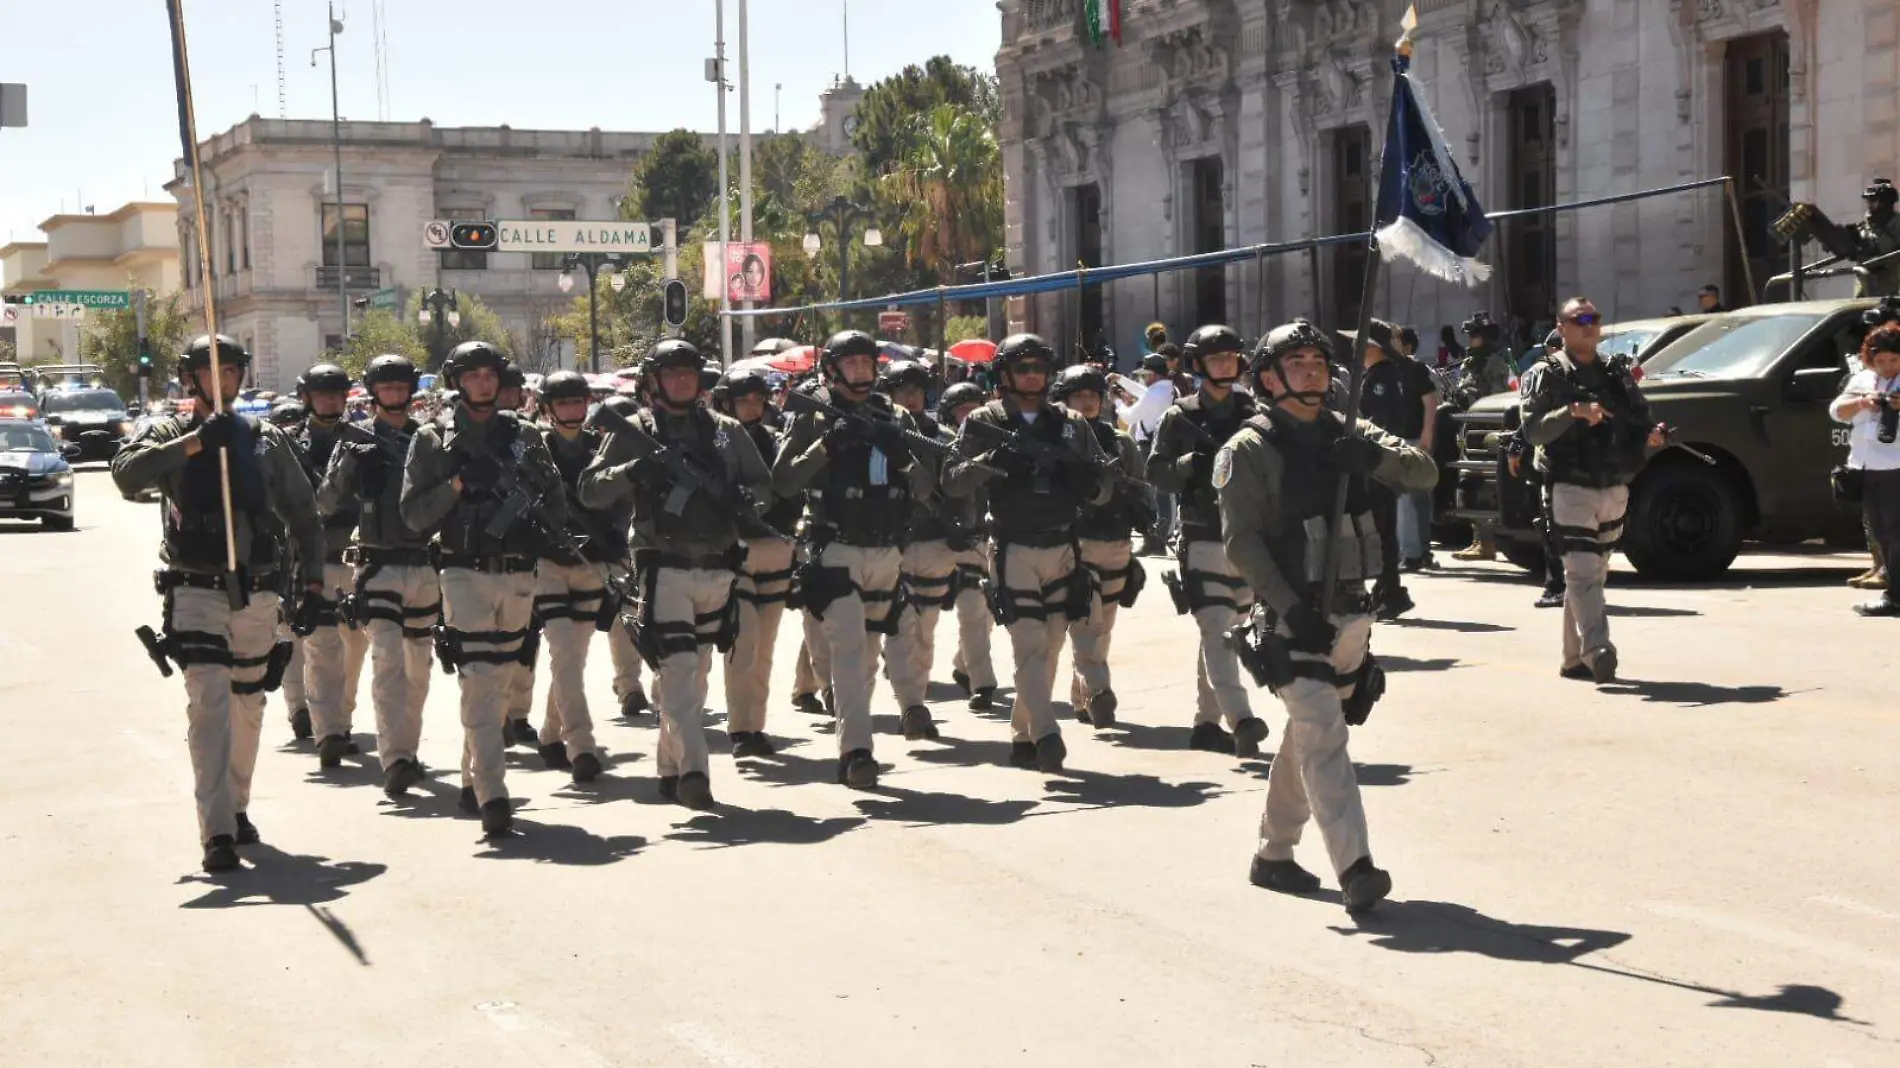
[(104, 127)]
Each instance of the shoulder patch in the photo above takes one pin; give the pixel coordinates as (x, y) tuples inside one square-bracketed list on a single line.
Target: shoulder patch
[(1223, 466)]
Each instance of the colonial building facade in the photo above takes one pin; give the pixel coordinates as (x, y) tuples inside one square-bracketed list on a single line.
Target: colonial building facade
[(132, 248), (1218, 124)]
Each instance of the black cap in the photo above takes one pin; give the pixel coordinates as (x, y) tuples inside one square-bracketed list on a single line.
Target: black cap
[(1379, 332)]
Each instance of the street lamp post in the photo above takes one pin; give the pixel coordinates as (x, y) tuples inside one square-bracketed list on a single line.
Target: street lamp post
[(590, 262), (842, 214), (336, 148), (439, 306)]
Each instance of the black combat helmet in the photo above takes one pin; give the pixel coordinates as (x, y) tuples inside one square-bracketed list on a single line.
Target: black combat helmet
[(323, 378), (956, 397), (900, 373), (1279, 342), (1881, 191), (513, 377), (468, 356), (197, 355), (745, 382), (1082, 377), (391, 368), (1208, 341), (668, 355), (565, 385), (847, 343), (287, 412)]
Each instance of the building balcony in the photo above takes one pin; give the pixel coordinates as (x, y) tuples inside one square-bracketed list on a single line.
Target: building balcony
[(355, 278), (1049, 16)]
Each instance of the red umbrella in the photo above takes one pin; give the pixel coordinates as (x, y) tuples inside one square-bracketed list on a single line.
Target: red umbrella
[(974, 350), (794, 361)]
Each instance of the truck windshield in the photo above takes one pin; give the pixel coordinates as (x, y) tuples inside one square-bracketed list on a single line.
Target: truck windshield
[(88, 400), (1734, 346), (1629, 343)]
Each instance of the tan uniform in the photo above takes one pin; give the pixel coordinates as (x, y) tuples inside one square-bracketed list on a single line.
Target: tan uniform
[(974, 619), (1274, 502), (1033, 566), (688, 562), (763, 586), (224, 654), (858, 553), (1111, 561), (487, 581), (333, 663)]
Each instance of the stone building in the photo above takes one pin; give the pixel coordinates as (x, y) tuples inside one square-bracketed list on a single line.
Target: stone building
[(132, 248), (1218, 124)]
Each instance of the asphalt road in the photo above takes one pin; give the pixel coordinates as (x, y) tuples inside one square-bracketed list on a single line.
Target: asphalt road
[(1695, 866)]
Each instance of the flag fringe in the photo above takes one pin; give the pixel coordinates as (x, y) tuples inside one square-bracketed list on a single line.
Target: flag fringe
[(1407, 240)]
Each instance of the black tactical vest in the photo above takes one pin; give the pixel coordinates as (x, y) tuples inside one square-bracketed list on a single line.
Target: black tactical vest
[(848, 507), (466, 529), (1308, 483), (1114, 521), (600, 536), (701, 519), (1043, 504), (379, 489), (1200, 507), (194, 523), (315, 446), (783, 515), (1609, 453)]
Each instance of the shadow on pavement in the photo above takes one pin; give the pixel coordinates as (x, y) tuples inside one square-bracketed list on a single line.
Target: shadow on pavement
[(1093, 789), (551, 843), (1694, 694), (1394, 662), (1366, 774), (274, 877), (918, 808), (1462, 626), (728, 826), (1635, 611)]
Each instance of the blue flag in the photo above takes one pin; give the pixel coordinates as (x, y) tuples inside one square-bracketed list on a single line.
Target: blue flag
[(1427, 212)]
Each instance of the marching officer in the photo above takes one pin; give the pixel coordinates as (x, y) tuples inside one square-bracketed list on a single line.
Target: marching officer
[(929, 563), (971, 668), (333, 652), (1591, 425), (688, 532), (860, 479), (628, 689), (287, 414), (395, 597), (518, 691), (1277, 479), (1105, 536), (465, 478), (571, 599), (1181, 462), (223, 640), (1051, 467), (765, 582)]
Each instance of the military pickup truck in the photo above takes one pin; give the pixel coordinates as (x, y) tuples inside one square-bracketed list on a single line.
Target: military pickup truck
[(1748, 389)]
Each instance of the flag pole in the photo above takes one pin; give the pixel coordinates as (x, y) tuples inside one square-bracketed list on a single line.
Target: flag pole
[(1329, 583), (234, 589)]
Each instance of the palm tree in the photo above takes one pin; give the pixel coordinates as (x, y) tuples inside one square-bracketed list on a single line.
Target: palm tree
[(949, 181)]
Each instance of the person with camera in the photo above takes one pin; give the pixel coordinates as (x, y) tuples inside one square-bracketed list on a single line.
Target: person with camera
[(1870, 404), (1278, 479), (1592, 428)]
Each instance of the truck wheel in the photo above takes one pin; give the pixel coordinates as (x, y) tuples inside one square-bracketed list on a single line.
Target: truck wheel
[(1528, 555), (1684, 523)]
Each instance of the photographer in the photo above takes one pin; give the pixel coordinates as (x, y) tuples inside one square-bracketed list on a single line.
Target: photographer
[(1871, 404)]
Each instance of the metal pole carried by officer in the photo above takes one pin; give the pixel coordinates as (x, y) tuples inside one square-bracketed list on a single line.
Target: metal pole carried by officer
[(1041, 465), (971, 667), (1206, 587), (696, 483), (1105, 536), (393, 594), (572, 598), (765, 582), (333, 651), (1590, 424), (856, 466), (482, 480), (224, 574), (1277, 481), (929, 561)]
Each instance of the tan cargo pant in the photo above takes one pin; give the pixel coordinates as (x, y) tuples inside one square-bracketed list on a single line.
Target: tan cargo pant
[(688, 606), (974, 619), (928, 567), (1089, 638), (222, 725), (874, 574), (567, 600), (1589, 522), (1312, 774), (1219, 693), (812, 675), (626, 658), (333, 664), (489, 614), (294, 695), (1036, 580), (399, 607), (761, 589)]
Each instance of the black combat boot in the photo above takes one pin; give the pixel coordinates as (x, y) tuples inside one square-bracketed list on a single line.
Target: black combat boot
[(1248, 734), (220, 854), (300, 725), (670, 787), (1101, 708), (1212, 738), (467, 803), (521, 732), (247, 831), (332, 750), (962, 681), (554, 755), (1022, 754), (634, 703), (400, 776), (916, 724), (808, 703), (1363, 886), (498, 818), (983, 699), (586, 768), (695, 791), (1050, 753), (1284, 876), (858, 769)]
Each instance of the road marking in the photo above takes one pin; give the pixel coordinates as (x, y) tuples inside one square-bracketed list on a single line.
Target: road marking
[(710, 1047), (519, 1026), (1855, 907), (1819, 947)]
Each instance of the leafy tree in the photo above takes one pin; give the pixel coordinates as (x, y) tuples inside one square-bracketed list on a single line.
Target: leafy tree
[(379, 333), (890, 106), (478, 323), (965, 327), (111, 340), (676, 179), (946, 191)]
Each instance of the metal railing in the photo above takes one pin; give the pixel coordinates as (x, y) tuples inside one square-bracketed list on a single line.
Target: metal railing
[(1040, 16)]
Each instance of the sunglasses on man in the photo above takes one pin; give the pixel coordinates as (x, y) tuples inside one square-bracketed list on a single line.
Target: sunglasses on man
[(1585, 319)]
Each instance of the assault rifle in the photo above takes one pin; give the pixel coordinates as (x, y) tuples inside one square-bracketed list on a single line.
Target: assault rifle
[(397, 452), (1627, 423), (520, 497), (1045, 454), (878, 427), (689, 476)]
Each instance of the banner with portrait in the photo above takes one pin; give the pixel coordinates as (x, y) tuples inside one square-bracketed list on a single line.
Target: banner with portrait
[(748, 271)]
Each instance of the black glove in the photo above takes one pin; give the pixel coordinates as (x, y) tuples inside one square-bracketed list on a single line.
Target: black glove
[(887, 436), (842, 437), (647, 470), (480, 473), (1201, 468), (1311, 633), (1355, 455), (218, 431), (1010, 462)]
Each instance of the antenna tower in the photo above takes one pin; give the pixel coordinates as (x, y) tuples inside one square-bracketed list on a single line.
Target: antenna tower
[(379, 30), (283, 105)]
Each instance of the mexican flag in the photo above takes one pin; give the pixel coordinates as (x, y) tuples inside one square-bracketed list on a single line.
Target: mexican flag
[(1104, 19)]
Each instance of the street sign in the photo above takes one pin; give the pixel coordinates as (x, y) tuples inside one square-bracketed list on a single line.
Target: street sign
[(46, 309), (435, 233), (386, 299), (108, 299), (892, 323), (573, 235)]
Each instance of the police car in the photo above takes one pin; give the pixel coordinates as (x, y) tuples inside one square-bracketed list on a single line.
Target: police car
[(91, 417), (36, 480)]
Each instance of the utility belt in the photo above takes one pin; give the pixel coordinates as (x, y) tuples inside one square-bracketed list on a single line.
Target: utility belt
[(451, 647), (495, 564), (731, 560), (1072, 595), (816, 587), (189, 647), (1134, 579), (371, 556), (1276, 662), (1187, 587), (655, 640), (166, 580)]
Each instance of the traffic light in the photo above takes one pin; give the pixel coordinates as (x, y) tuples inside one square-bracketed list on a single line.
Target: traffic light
[(479, 236), (145, 357), (674, 302)]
